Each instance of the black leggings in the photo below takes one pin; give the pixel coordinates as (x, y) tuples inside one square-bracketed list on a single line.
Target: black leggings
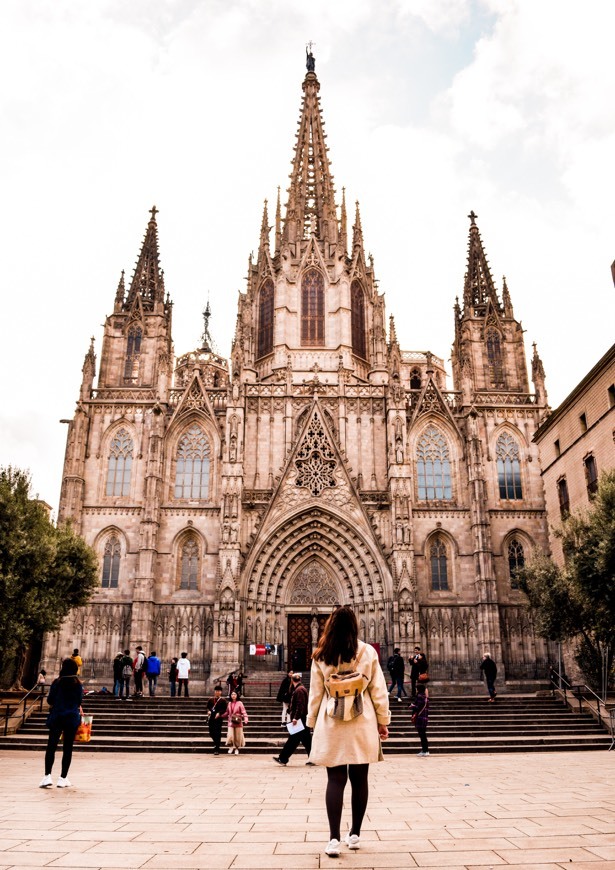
[(55, 731), (334, 799)]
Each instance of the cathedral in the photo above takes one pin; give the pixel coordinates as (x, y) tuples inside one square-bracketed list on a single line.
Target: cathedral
[(233, 504)]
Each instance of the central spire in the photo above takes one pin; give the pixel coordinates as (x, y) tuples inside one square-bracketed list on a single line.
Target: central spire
[(148, 280), (310, 209)]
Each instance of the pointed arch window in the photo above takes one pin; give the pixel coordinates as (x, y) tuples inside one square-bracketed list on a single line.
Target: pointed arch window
[(111, 563), (494, 358), (265, 319), (133, 353), (357, 319), (415, 379), (192, 467), (312, 309), (516, 561), (439, 565), (433, 466), (509, 467), (189, 565), (119, 469)]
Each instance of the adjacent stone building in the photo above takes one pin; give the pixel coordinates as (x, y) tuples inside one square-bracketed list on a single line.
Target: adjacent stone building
[(235, 505)]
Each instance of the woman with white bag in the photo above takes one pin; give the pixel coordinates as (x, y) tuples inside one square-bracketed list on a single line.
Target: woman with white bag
[(349, 712)]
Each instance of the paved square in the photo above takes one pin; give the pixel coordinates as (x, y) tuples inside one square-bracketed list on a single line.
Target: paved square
[(536, 811)]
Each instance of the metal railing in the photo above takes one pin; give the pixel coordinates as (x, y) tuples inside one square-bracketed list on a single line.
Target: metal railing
[(11, 712), (581, 693)]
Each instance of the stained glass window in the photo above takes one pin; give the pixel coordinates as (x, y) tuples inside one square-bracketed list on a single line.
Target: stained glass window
[(192, 469), (133, 353), (265, 319), (357, 319), (433, 465), (516, 561), (120, 464), (312, 309), (111, 563), (189, 565), (509, 467), (494, 358), (439, 565)]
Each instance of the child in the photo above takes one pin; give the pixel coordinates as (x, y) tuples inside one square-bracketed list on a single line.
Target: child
[(419, 708)]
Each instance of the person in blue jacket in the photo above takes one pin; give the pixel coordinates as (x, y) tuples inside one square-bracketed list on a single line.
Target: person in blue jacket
[(64, 698), (153, 671)]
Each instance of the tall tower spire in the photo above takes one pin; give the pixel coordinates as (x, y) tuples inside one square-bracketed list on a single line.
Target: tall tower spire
[(278, 224), (147, 280), (478, 283), (311, 195)]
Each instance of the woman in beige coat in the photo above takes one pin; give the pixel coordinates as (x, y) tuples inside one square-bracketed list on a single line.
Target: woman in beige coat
[(346, 748)]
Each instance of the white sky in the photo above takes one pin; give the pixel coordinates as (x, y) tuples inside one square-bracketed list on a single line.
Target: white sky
[(432, 108)]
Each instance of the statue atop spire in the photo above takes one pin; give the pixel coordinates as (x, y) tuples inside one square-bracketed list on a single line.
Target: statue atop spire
[(310, 60)]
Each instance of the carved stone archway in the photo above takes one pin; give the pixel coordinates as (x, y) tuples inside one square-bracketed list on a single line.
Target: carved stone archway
[(313, 585)]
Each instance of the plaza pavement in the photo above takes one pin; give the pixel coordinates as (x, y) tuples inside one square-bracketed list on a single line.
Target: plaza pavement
[(536, 811)]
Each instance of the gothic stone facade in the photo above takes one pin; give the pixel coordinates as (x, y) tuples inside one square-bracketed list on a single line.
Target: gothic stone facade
[(331, 466)]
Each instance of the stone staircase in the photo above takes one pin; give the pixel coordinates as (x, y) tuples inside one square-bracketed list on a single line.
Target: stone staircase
[(515, 723)]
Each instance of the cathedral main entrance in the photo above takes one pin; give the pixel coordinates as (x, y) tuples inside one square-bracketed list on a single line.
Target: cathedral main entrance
[(304, 631)]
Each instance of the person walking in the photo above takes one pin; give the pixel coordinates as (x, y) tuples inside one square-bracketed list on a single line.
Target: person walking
[(298, 713), (183, 674), (153, 672), (64, 698), (117, 674), (283, 696), (138, 667), (419, 710), (397, 671), (346, 748), (78, 660), (237, 718), (232, 684), (127, 671), (418, 666), (173, 676), (490, 670), (216, 707)]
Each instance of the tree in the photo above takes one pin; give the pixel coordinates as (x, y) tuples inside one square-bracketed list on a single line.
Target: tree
[(577, 601), (45, 571)]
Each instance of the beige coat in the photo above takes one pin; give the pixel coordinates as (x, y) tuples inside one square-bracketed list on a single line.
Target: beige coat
[(355, 742)]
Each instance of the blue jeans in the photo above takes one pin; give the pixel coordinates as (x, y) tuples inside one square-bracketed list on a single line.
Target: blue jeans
[(491, 687), (173, 687), (399, 682), (117, 687), (153, 682)]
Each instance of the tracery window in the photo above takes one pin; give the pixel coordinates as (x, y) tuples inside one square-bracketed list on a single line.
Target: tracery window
[(189, 561), (133, 353), (315, 460), (357, 319), (439, 565), (494, 358), (415, 379), (433, 465), (192, 468), (111, 563), (265, 319), (120, 464), (509, 467), (312, 309), (516, 561)]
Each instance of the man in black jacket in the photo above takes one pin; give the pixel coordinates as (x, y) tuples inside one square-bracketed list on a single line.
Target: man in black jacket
[(418, 666), (298, 712), (397, 670), (490, 670)]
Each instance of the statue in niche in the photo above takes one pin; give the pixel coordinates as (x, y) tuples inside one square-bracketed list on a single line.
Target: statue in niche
[(267, 632), (226, 531), (314, 631), (399, 532), (248, 627), (372, 631), (230, 624), (222, 625), (234, 532), (383, 629), (399, 450), (233, 448), (277, 632)]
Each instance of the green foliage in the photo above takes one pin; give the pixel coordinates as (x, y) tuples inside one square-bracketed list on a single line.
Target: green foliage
[(44, 571), (578, 599)]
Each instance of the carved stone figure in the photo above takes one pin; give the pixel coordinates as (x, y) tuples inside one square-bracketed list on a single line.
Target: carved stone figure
[(314, 631)]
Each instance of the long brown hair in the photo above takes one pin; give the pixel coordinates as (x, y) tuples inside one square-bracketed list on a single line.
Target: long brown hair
[(340, 638)]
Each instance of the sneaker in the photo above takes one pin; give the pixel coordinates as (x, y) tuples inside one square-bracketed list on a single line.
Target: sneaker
[(399, 700), (278, 760), (236, 752), (46, 781), (353, 841), (216, 752), (64, 782), (230, 752), (333, 848), (422, 754)]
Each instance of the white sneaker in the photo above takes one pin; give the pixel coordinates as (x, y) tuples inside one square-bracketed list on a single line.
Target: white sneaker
[(230, 752), (353, 841), (46, 781), (333, 848), (64, 782), (236, 752)]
